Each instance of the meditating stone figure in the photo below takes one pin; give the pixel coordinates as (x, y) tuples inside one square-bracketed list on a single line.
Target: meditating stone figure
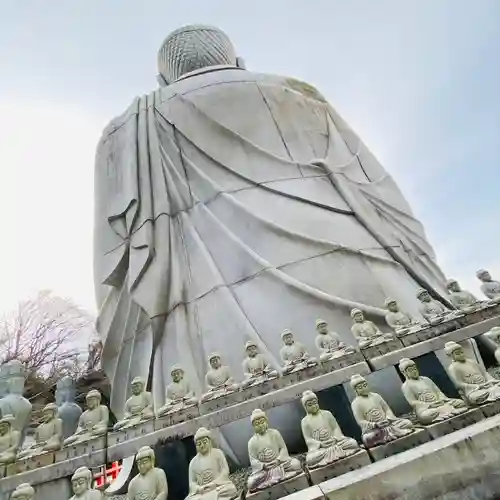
[(366, 332), (48, 435), (494, 335), (432, 310), (255, 366), (10, 440), (269, 458), (218, 379), (151, 482), (209, 471), (81, 483), (294, 354), (378, 423), (69, 412), (489, 286), (323, 436), (138, 408), (179, 394), (94, 420), (329, 343), (23, 492), (475, 383), (401, 322), (461, 299), (425, 397)]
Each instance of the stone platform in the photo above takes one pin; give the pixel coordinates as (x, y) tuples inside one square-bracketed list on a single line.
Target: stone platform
[(131, 432), (490, 409), (377, 350), (280, 490), (339, 362), (453, 424), (187, 413), (420, 436), (356, 461), (30, 463), (227, 399)]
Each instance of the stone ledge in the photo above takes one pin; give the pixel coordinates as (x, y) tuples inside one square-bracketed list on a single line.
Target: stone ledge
[(340, 362), (176, 417), (356, 461), (297, 483), (455, 423), (30, 463), (490, 409), (382, 349), (416, 438), (121, 436)]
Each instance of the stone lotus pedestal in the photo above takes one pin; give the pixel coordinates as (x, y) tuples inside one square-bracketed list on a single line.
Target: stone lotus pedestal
[(176, 417), (280, 490), (135, 431), (455, 423), (419, 436), (228, 399), (339, 467), (341, 361), (374, 351), (31, 463)]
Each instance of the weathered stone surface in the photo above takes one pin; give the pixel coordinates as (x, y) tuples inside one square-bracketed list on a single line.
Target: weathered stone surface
[(301, 375), (339, 467), (342, 361), (176, 417), (81, 449), (30, 463), (491, 409), (280, 490), (215, 404), (381, 349), (420, 436), (453, 424), (131, 433), (417, 336)]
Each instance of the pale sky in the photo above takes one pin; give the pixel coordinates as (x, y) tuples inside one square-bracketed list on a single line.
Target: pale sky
[(419, 80)]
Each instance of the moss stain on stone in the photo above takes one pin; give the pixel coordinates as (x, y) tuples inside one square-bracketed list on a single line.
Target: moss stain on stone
[(305, 89)]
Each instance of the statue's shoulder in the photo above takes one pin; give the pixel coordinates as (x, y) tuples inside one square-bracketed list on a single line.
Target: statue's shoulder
[(294, 84)]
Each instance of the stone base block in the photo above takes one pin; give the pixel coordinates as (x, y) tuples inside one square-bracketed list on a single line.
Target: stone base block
[(131, 432), (482, 314), (177, 417), (30, 463), (78, 450), (280, 490), (301, 375), (414, 337), (261, 389), (339, 467), (454, 424), (224, 401), (374, 351), (490, 409), (2, 471), (420, 436), (342, 361)]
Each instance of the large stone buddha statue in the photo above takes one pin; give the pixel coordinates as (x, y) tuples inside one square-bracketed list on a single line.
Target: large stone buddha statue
[(230, 204)]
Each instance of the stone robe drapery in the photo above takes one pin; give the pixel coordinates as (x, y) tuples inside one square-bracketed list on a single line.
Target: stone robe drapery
[(212, 227)]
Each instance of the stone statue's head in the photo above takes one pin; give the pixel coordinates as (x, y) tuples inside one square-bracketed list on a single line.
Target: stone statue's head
[(23, 492), (494, 334), (357, 315), (391, 305), (214, 360), (287, 336), (15, 377), (452, 286), (455, 351), (145, 459), (322, 326), (193, 48), (483, 275), (81, 481), (177, 373), (49, 412), (251, 348), (203, 440), (310, 402), (259, 421), (137, 385), (93, 399), (6, 424), (360, 385), (409, 369), (423, 295), (65, 392)]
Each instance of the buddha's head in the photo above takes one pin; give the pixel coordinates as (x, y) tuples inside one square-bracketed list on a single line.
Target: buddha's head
[(23, 492), (360, 385), (409, 369), (483, 275), (203, 441), (392, 305), (452, 286), (423, 295), (251, 349), (6, 424), (322, 326), (177, 373), (93, 399), (310, 402), (65, 392), (145, 460), (137, 385), (287, 337), (81, 481), (49, 412), (357, 316), (259, 420), (214, 360), (192, 48), (455, 351), (494, 334)]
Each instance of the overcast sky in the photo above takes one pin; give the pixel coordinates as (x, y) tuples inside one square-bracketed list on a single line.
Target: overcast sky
[(419, 80)]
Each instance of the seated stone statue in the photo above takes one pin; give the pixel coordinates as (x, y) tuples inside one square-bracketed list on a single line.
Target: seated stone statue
[(218, 379), (48, 435), (432, 310), (329, 343), (425, 397), (401, 322), (255, 366), (151, 482), (294, 354), (69, 412), (494, 335), (366, 332), (93, 422), (476, 385), (179, 394), (209, 471), (462, 299), (378, 423), (323, 436), (23, 492), (138, 407), (81, 484), (10, 440), (269, 458), (489, 286)]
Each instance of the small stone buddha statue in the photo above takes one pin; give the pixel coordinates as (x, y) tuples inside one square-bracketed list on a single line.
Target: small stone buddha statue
[(366, 332), (218, 379), (269, 458), (324, 439), (294, 354), (432, 310), (179, 394), (151, 482), (255, 366), (93, 422), (425, 397), (69, 412), (473, 381), (209, 471), (10, 440), (461, 299), (489, 286), (81, 484), (138, 407), (378, 423), (494, 336), (23, 492), (401, 322), (48, 435), (329, 343)]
